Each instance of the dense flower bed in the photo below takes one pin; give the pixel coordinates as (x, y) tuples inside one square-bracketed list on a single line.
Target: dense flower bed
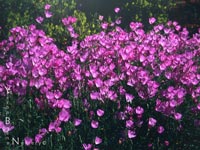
[(146, 76)]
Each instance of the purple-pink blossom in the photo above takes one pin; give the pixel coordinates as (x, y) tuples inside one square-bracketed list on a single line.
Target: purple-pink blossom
[(94, 124), (97, 140), (100, 112), (28, 141), (47, 6), (131, 134), (152, 122), (77, 122), (117, 9), (152, 20), (64, 115), (39, 19)]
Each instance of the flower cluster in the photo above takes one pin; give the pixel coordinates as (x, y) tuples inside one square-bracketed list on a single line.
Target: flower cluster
[(130, 68)]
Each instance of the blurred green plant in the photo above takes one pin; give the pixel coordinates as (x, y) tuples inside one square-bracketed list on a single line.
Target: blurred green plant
[(28, 10), (141, 10)]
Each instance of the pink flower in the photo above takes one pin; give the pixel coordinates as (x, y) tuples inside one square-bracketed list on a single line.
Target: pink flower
[(98, 140), (55, 126), (38, 138), (47, 6), (198, 106), (161, 129), (152, 122), (98, 82), (7, 128), (94, 95), (129, 97), (39, 19), (64, 115), (104, 25), (69, 20), (77, 122), (117, 9), (28, 141), (139, 110), (87, 146), (177, 116), (100, 112), (152, 20), (100, 18), (94, 124), (48, 14), (131, 134), (129, 123)]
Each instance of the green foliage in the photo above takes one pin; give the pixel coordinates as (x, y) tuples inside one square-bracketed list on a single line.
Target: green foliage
[(28, 10), (141, 10)]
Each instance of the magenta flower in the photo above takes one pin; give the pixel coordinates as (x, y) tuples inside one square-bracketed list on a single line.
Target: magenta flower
[(152, 20), (101, 18), (98, 140), (173, 103), (38, 138), (77, 122), (139, 110), (177, 116), (129, 97), (94, 95), (48, 14), (87, 146), (98, 82), (129, 123), (69, 20), (152, 122), (100, 112), (47, 6), (55, 126), (160, 129), (131, 134), (198, 106), (28, 141), (63, 103), (43, 131), (7, 128), (64, 115), (117, 9), (39, 19), (104, 25), (94, 124)]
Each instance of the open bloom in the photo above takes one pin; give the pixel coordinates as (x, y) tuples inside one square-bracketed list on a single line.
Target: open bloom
[(47, 6), (131, 134), (98, 140), (87, 146), (39, 19), (77, 122), (152, 122), (160, 129), (117, 9), (48, 14), (64, 115), (28, 141), (100, 112), (94, 124), (177, 116), (152, 20), (139, 110)]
